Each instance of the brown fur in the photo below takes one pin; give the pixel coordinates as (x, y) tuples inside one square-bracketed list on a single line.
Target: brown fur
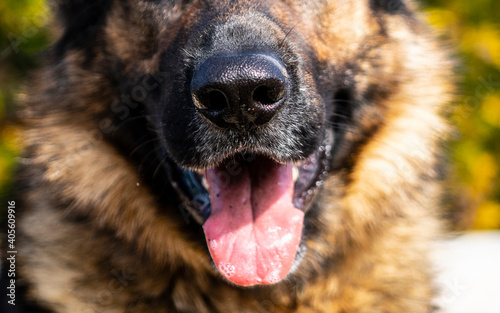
[(94, 237)]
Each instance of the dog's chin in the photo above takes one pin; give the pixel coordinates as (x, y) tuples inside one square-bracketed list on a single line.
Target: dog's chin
[(251, 207)]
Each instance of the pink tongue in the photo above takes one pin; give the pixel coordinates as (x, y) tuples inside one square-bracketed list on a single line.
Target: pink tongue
[(254, 230)]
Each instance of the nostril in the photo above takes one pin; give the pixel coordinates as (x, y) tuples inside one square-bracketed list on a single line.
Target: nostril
[(267, 96), (261, 95), (216, 100), (213, 100)]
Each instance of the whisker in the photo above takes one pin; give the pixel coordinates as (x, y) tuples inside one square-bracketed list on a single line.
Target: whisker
[(132, 119), (186, 52), (345, 127), (280, 44), (142, 144), (342, 126), (163, 159), (177, 56), (141, 168), (343, 117)]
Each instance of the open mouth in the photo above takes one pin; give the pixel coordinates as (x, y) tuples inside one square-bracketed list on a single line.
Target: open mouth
[(252, 210)]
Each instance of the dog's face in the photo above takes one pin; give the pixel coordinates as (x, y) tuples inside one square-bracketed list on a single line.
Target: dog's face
[(257, 104), (242, 116)]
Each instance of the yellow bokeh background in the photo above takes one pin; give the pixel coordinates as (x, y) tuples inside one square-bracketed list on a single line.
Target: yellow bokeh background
[(472, 29)]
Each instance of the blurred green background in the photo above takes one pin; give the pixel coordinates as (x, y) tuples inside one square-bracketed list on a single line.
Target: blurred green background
[(23, 34), (473, 28)]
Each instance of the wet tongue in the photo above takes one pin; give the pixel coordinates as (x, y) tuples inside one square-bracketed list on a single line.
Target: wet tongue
[(254, 230)]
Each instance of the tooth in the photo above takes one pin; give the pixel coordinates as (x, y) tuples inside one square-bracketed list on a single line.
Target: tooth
[(295, 174), (204, 182)]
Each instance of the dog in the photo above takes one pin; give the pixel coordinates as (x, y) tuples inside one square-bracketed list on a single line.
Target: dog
[(233, 156)]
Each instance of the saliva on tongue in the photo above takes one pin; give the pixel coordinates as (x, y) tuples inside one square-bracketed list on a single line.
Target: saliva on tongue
[(254, 230)]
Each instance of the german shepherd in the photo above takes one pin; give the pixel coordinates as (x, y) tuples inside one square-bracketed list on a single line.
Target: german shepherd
[(233, 156)]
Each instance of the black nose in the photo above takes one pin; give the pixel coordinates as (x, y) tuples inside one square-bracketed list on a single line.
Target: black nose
[(239, 91)]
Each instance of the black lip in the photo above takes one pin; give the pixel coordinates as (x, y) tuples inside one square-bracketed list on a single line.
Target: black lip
[(312, 173)]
